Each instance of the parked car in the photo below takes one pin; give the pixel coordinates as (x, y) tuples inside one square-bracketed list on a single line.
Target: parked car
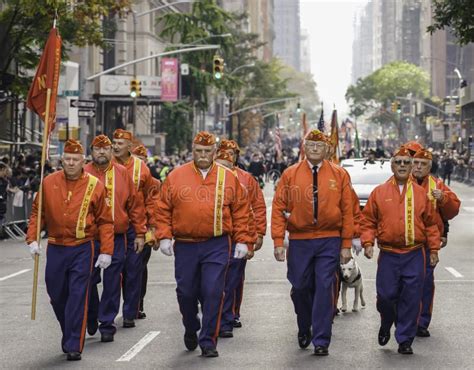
[(365, 175)]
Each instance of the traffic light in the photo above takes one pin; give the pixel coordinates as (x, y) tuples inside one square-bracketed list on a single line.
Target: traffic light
[(135, 88), (394, 107), (399, 107), (218, 67), (458, 109)]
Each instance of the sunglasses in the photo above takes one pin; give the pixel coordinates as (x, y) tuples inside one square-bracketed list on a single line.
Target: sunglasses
[(406, 162)]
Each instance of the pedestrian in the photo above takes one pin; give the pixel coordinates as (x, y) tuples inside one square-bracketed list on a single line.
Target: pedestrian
[(313, 201), (203, 207), (447, 164), (123, 199), (402, 258), (141, 152), (74, 211), (446, 205), (228, 155), (142, 180), (4, 186)]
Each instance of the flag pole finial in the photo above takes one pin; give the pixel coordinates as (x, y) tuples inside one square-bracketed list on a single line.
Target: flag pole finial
[(55, 17)]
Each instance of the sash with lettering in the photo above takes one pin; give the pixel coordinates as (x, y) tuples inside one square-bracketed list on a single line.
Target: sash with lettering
[(219, 200), (84, 210), (409, 215), (46, 77)]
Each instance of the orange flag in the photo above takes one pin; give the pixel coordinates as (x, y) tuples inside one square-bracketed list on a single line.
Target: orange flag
[(334, 138), (47, 77), (305, 131)]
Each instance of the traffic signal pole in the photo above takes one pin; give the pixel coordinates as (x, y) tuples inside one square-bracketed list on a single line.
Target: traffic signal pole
[(134, 102)]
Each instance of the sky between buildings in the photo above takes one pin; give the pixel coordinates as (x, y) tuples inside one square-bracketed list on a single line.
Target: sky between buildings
[(330, 26)]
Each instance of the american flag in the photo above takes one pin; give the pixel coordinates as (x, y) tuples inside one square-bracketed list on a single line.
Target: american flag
[(278, 144), (321, 125)]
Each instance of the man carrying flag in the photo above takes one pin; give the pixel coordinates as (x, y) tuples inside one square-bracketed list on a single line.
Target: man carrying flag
[(74, 212)]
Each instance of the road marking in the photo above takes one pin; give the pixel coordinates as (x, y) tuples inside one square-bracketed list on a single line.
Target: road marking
[(469, 209), (132, 352), (454, 272), (15, 274)]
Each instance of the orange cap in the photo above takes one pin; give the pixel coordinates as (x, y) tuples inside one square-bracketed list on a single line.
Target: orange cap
[(101, 141), (140, 150), (229, 144), (402, 152), (73, 146), (423, 154), (413, 146), (204, 138), (316, 135), (123, 134), (222, 154)]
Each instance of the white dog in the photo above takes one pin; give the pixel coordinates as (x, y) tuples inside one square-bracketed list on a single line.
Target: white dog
[(351, 277)]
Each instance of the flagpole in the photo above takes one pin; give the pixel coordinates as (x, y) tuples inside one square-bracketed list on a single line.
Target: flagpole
[(40, 202)]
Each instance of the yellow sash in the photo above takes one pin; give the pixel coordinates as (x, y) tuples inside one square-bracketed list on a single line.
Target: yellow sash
[(81, 221), (110, 186), (219, 201), (409, 215), (137, 170), (431, 187)]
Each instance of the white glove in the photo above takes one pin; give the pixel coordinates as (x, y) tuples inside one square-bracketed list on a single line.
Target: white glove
[(103, 261), (356, 246), (34, 249), (166, 247), (241, 250)]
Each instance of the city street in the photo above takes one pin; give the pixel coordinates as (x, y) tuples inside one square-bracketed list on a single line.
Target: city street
[(268, 336)]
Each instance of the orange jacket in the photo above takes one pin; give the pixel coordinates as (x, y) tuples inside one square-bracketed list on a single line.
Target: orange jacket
[(126, 205), (294, 195), (191, 209), (141, 177), (448, 207), (257, 201), (356, 212), (62, 216), (385, 218)]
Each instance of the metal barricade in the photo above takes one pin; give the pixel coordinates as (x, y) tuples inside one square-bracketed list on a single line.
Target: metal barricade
[(16, 218)]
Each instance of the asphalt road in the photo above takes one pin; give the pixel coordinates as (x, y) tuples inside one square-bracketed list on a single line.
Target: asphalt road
[(268, 336)]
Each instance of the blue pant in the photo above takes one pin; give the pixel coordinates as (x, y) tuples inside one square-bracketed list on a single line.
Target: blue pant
[(312, 264), (399, 289), (200, 270), (106, 310), (428, 297), (233, 291), (68, 272), (132, 278)]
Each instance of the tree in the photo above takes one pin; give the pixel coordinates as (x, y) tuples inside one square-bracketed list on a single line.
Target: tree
[(25, 24), (177, 126), (457, 14)]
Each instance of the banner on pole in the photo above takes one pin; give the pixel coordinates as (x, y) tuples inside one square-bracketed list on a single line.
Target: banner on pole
[(169, 79)]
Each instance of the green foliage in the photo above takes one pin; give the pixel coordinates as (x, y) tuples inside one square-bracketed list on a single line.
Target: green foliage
[(384, 85), (24, 28), (177, 125), (457, 14)]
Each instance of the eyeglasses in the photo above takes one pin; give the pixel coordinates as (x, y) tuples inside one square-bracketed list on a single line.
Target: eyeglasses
[(399, 162), (420, 163), (315, 146)]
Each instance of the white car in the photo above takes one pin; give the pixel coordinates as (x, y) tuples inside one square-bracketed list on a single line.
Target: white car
[(365, 176)]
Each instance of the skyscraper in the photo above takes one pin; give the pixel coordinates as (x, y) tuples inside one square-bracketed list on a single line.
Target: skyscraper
[(286, 45)]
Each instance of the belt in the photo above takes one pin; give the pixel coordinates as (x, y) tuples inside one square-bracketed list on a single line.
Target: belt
[(187, 239), (405, 249), (68, 242)]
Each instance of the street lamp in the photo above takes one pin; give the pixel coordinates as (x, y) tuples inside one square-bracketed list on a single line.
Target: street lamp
[(242, 66)]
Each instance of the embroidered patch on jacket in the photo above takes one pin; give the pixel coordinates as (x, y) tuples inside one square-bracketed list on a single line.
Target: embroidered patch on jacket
[(332, 184)]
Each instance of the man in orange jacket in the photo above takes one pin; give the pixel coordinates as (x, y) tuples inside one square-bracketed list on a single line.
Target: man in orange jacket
[(401, 217), (446, 205), (126, 208), (227, 155), (141, 152), (202, 205), (74, 212), (142, 180), (313, 201)]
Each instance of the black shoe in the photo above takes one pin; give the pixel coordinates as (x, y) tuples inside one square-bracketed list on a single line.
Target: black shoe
[(128, 323), (384, 336), (405, 348), (237, 323), (304, 339), (73, 356), (226, 334), (190, 341), (141, 315), (92, 327), (209, 352), (106, 338), (422, 332), (321, 351)]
